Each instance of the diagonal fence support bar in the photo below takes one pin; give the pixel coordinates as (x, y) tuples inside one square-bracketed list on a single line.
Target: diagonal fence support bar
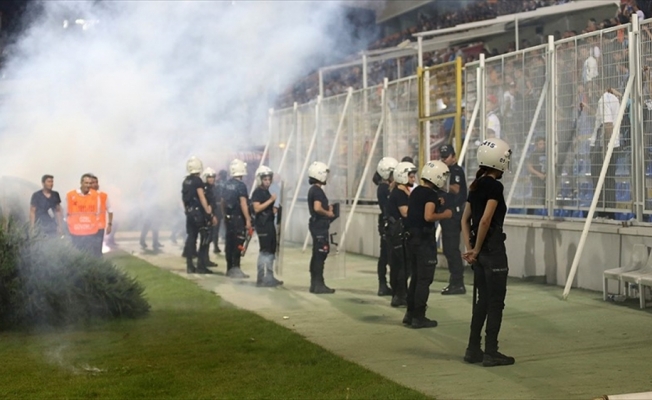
[(340, 126), (598, 189), (270, 117), (521, 161), (306, 160), (349, 218), (290, 137)]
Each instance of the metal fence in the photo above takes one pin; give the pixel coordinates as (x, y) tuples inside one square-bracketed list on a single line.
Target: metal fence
[(556, 104)]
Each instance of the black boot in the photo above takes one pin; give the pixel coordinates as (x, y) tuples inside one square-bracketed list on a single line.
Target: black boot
[(190, 267), (495, 359), (383, 289), (399, 301), (474, 355), (419, 320), (407, 318), (423, 322), (453, 290), (321, 288)]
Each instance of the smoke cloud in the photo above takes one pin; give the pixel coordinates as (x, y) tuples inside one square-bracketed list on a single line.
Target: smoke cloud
[(128, 90)]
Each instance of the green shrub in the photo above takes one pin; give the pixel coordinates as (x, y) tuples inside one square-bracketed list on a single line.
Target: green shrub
[(49, 282)]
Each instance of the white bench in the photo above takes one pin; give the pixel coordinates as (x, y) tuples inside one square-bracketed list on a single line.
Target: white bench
[(637, 277), (640, 262)]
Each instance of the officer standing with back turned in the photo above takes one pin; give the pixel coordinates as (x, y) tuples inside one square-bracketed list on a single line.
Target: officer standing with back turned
[(198, 213), (235, 205), (451, 229)]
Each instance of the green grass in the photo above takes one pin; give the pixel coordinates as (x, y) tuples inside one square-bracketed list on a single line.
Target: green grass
[(191, 346)]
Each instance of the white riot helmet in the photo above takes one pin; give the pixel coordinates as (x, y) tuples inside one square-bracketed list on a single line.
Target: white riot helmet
[(262, 172), (386, 166), (194, 165), (318, 171), (495, 153), (437, 173), (208, 173), (402, 172), (238, 168)]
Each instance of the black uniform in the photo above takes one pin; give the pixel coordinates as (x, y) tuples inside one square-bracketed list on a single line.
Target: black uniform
[(397, 246), (318, 226), (151, 215), (218, 189), (490, 269), (45, 211), (383, 196), (213, 201), (451, 229), (197, 221), (266, 231), (422, 252), (236, 234)]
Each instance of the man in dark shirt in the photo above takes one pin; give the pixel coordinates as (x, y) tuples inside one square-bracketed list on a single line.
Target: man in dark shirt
[(451, 229), (198, 213), (536, 166), (45, 209), (263, 204), (420, 223), (235, 207)]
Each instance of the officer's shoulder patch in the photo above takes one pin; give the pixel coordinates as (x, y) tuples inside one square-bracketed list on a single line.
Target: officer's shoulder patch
[(457, 178)]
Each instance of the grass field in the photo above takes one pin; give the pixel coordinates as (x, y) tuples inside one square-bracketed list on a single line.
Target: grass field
[(192, 345)]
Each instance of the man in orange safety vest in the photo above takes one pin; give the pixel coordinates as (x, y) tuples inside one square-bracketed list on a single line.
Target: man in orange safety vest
[(82, 209)]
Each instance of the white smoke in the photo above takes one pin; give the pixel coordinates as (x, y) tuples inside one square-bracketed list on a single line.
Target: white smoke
[(130, 89)]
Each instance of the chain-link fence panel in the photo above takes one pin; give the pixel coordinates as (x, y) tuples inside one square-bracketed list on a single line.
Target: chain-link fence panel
[(645, 62), (441, 105), (366, 112), (592, 73), (282, 127), (521, 113), (401, 127)]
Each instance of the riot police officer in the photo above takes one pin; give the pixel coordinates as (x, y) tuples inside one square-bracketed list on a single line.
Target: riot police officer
[(482, 228), (198, 212), (451, 229), (211, 197), (263, 205), (420, 224), (384, 170), (235, 204), (219, 190), (321, 214), (397, 210)]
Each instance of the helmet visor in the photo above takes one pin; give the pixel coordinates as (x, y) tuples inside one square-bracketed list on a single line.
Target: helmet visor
[(445, 187)]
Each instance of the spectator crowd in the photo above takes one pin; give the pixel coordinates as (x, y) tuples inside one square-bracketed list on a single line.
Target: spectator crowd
[(337, 81)]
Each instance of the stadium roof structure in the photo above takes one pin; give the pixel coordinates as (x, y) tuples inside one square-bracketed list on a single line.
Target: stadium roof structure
[(440, 39)]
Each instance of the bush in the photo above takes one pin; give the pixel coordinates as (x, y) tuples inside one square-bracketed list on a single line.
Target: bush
[(49, 282)]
